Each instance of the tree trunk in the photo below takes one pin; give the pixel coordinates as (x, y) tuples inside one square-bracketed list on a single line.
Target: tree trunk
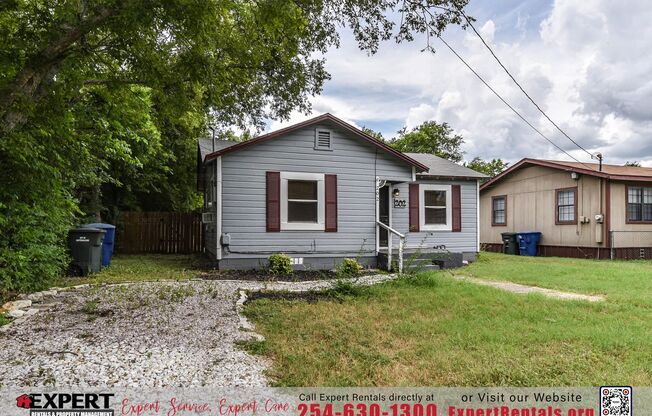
[(30, 83)]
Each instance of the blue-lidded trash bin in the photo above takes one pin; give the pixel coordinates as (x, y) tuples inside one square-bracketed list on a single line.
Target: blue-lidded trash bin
[(527, 243), (108, 243)]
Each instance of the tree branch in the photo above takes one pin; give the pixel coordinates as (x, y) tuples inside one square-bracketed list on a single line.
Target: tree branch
[(41, 68)]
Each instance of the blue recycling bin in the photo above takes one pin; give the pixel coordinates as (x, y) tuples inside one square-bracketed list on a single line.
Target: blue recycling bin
[(527, 243), (108, 243)]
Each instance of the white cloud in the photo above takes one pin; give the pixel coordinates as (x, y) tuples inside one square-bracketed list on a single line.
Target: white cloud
[(488, 30), (417, 115), (587, 64), (320, 105)]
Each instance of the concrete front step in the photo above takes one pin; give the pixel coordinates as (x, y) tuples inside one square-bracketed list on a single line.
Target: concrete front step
[(443, 260)]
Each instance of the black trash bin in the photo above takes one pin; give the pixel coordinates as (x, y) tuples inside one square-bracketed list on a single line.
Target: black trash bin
[(510, 243), (85, 246)]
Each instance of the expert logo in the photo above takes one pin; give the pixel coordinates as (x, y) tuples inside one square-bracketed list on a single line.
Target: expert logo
[(68, 404)]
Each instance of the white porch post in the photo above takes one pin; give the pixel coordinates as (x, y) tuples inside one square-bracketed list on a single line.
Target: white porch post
[(401, 242)]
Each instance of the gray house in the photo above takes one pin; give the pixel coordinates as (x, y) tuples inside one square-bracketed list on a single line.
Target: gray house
[(323, 190)]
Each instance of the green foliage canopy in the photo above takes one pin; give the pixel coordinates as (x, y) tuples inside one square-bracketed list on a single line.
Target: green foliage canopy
[(440, 140), (101, 100), (431, 137), (490, 168)]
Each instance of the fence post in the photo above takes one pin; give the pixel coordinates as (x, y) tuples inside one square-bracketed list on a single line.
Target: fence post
[(611, 245)]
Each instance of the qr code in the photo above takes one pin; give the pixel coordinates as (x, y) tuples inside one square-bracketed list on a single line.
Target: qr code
[(616, 401)]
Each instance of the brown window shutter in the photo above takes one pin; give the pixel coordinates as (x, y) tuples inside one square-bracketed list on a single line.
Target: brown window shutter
[(414, 207), (457, 208), (273, 202), (330, 185)]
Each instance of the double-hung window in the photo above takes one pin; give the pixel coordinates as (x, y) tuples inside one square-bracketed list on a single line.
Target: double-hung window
[(566, 211), (436, 212), (499, 210), (302, 201), (639, 204)]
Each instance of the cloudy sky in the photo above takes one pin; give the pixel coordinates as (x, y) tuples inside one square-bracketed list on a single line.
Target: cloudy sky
[(586, 62)]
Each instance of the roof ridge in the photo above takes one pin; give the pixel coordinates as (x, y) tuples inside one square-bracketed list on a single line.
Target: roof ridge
[(317, 119), (613, 172)]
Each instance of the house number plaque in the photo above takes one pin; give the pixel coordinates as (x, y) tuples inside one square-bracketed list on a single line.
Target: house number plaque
[(400, 203)]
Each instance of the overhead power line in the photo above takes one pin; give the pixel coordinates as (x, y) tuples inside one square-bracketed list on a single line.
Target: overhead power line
[(519, 85), (510, 106)]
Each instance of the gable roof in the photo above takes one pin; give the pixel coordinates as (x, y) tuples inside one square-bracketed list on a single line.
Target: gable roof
[(613, 172), (206, 146), (443, 168), (316, 120)]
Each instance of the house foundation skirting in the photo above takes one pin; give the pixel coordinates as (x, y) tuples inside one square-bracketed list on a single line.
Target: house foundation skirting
[(308, 263), (598, 253)]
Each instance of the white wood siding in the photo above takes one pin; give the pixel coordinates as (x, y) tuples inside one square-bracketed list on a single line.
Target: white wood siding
[(463, 241), (356, 163)]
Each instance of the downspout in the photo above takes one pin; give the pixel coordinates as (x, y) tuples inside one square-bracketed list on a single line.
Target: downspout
[(607, 217), (601, 210), (218, 200), (477, 215), (218, 208)]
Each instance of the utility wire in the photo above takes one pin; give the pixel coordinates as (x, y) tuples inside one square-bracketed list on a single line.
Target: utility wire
[(510, 106), (519, 85)]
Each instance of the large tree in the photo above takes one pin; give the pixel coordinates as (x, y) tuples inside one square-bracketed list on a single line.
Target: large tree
[(101, 100), (490, 168), (440, 140), (431, 137)]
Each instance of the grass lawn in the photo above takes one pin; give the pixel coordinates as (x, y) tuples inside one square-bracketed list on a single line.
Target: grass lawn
[(133, 268), (621, 281), (433, 330)]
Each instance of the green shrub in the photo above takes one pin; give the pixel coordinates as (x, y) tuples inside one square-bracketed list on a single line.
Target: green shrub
[(280, 264), (349, 268), (32, 246), (343, 288)]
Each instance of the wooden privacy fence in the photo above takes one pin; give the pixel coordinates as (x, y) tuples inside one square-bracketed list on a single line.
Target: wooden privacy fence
[(160, 232)]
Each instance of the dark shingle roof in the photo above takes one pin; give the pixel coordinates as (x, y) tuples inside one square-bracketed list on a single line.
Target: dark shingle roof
[(206, 146), (440, 167)]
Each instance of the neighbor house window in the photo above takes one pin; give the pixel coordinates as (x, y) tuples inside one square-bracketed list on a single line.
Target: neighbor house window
[(302, 201), (566, 206), (499, 210), (639, 204), (435, 207)]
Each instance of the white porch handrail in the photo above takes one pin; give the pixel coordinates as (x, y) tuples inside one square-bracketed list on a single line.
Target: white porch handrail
[(401, 244)]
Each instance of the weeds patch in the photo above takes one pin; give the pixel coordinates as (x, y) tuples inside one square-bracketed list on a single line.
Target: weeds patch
[(253, 346)]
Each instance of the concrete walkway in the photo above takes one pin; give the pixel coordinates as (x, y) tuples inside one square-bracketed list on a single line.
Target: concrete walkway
[(524, 289)]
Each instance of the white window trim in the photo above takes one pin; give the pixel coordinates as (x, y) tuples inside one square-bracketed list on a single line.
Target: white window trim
[(422, 210), (302, 226)]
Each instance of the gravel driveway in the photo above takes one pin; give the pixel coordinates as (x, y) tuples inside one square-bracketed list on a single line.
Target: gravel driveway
[(139, 335)]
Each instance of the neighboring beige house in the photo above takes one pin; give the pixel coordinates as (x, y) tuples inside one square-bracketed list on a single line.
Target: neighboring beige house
[(580, 210)]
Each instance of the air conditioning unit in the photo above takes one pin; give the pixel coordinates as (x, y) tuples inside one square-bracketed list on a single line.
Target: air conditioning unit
[(208, 217)]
